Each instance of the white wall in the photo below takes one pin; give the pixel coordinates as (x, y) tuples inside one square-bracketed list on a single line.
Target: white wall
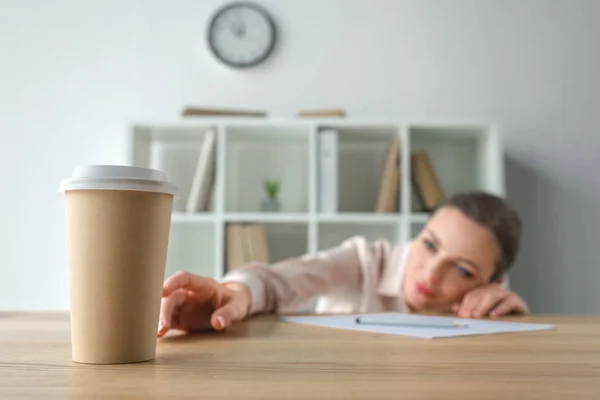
[(72, 73)]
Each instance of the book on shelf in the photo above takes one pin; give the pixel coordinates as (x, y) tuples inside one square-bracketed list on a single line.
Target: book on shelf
[(191, 111), (322, 113), (245, 243), (256, 239), (426, 181), (389, 181), (204, 175), (235, 246)]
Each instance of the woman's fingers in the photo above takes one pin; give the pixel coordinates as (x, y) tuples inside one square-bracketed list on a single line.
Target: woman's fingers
[(226, 315), (184, 290), (468, 304), (511, 304), (186, 280), (217, 298), (488, 302), (168, 308), (503, 308)]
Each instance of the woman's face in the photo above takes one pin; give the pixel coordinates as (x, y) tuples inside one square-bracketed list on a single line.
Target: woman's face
[(451, 256)]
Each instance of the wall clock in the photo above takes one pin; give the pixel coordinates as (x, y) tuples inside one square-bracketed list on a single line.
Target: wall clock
[(241, 34)]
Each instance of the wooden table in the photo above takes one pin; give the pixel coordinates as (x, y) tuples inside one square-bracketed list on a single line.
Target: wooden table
[(266, 359)]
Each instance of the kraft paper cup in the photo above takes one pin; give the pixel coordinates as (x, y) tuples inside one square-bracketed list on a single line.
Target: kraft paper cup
[(118, 221)]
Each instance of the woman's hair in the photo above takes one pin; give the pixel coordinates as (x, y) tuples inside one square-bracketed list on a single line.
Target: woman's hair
[(496, 214)]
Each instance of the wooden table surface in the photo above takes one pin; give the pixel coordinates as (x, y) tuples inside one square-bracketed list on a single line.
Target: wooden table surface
[(263, 358)]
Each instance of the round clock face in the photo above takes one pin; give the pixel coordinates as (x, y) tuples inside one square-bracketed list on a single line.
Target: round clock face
[(241, 35)]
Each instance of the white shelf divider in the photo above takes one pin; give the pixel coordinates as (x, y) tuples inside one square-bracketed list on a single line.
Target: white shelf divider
[(219, 196), (313, 187), (360, 218), (405, 183)]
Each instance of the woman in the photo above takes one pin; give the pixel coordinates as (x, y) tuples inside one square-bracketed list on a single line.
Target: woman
[(455, 264)]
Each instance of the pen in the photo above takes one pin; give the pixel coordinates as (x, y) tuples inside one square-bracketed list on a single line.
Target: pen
[(392, 322)]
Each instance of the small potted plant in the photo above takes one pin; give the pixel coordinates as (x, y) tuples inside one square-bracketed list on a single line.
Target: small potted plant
[(271, 203)]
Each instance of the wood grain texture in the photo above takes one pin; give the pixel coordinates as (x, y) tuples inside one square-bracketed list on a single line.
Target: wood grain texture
[(266, 359)]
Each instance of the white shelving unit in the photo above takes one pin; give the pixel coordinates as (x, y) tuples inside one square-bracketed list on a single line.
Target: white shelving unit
[(465, 156)]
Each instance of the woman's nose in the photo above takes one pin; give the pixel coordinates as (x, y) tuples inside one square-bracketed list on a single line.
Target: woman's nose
[(434, 272)]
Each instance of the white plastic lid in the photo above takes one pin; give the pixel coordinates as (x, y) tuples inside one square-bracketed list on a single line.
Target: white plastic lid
[(117, 177)]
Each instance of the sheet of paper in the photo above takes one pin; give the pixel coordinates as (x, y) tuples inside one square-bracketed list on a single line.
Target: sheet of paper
[(475, 326)]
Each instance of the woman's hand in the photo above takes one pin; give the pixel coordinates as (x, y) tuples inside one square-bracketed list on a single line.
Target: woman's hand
[(194, 303), (490, 300)]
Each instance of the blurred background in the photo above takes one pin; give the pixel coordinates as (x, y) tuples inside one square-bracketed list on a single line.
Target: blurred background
[(73, 74)]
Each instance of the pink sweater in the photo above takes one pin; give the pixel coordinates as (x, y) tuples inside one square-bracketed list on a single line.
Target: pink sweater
[(357, 277)]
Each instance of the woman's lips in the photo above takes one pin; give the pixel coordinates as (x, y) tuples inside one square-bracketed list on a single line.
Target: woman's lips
[(424, 290)]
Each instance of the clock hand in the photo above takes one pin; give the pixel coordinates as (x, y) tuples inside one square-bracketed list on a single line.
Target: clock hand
[(241, 31), (237, 30)]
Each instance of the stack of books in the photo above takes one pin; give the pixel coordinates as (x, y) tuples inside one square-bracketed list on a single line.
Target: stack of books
[(245, 243)]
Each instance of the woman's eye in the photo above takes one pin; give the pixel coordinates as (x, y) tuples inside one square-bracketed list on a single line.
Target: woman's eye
[(464, 272), (429, 244)]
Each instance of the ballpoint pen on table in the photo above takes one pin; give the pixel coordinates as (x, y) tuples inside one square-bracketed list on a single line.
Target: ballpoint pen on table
[(395, 322)]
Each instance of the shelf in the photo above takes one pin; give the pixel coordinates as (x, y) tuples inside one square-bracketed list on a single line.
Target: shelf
[(464, 157), (271, 122), (267, 217), (360, 153), (192, 218), (364, 132), (419, 218), (275, 217), (173, 150), (360, 218), (256, 153)]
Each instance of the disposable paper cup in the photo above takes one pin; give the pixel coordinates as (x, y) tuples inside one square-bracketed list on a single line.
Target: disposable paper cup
[(118, 223)]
